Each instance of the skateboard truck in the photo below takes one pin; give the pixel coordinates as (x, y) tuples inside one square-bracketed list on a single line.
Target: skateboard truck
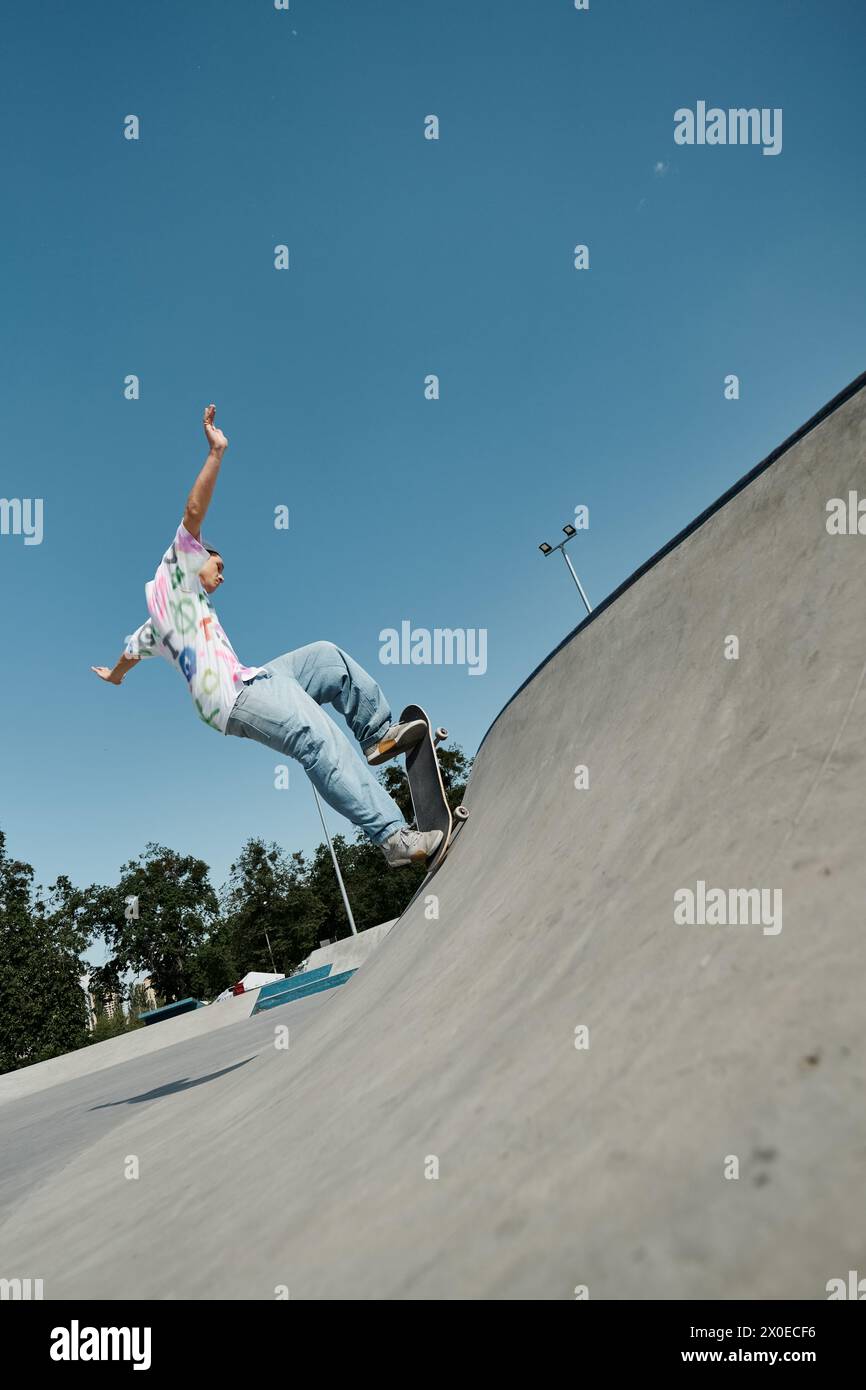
[(439, 736)]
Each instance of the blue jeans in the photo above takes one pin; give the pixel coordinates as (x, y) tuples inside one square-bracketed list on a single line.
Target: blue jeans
[(280, 708)]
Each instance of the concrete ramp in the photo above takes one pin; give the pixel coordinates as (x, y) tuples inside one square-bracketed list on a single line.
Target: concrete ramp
[(435, 1132)]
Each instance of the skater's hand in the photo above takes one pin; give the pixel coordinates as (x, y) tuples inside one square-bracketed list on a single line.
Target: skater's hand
[(215, 437), (106, 674)]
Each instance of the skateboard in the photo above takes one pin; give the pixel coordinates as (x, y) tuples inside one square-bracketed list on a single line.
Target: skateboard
[(429, 802)]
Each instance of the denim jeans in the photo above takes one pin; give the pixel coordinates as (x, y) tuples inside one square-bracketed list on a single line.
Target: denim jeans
[(280, 707)]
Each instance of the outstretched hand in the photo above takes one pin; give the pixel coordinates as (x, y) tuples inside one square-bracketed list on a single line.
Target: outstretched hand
[(105, 674), (215, 437)]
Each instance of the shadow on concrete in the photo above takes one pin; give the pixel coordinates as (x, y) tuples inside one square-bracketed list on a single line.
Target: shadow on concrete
[(185, 1084)]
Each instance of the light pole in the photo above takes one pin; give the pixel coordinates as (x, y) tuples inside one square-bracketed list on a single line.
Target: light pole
[(549, 549), (336, 865)]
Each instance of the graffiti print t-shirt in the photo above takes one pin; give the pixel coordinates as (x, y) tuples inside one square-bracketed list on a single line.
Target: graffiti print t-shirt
[(184, 628)]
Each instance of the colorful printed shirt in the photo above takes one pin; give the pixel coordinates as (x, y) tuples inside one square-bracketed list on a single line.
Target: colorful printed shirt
[(184, 628)]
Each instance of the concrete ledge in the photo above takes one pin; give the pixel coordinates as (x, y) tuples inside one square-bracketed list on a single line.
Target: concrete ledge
[(349, 952), (303, 989), (345, 956), (98, 1056)]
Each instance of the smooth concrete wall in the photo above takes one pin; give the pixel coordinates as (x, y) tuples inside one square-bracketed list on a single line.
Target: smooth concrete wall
[(453, 1050)]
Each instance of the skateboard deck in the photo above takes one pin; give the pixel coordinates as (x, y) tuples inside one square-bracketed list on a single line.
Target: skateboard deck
[(429, 801)]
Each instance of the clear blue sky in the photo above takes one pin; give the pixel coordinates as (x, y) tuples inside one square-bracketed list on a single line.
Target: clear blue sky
[(408, 257)]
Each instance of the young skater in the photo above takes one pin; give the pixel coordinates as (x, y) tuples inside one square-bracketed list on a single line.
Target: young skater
[(277, 704)]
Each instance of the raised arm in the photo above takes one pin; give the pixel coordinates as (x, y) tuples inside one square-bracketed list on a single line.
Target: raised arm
[(202, 489)]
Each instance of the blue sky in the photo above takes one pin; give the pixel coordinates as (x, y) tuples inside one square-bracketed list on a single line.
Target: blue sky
[(408, 257)]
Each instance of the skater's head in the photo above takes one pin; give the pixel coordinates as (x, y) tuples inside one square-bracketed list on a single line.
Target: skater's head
[(211, 572)]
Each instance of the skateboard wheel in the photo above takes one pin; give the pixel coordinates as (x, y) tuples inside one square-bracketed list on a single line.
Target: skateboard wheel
[(440, 735), (460, 813)]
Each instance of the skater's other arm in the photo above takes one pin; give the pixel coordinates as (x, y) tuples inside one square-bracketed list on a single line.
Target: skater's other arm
[(138, 645), (115, 675), (202, 489)]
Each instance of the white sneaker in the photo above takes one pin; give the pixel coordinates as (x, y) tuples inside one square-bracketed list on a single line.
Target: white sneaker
[(407, 846), (395, 741)]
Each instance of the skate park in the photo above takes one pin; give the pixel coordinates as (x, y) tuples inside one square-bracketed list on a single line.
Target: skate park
[(432, 1130)]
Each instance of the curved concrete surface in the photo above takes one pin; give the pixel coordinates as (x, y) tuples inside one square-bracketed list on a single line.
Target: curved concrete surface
[(561, 1166), (113, 1052), (349, 953), (41, 1135)]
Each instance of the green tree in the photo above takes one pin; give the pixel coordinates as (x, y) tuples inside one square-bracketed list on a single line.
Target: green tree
[(108, 1025), (268, 899), (139, 1003), (213, 966), (176, 908), (44, 1011), (105, 987), (116, 1009)]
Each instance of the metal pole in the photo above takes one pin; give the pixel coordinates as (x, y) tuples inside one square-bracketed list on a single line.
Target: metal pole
[(336, 865), (573, 572), (270, 952)]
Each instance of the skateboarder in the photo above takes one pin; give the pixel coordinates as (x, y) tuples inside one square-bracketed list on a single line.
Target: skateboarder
[(277, 704)]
